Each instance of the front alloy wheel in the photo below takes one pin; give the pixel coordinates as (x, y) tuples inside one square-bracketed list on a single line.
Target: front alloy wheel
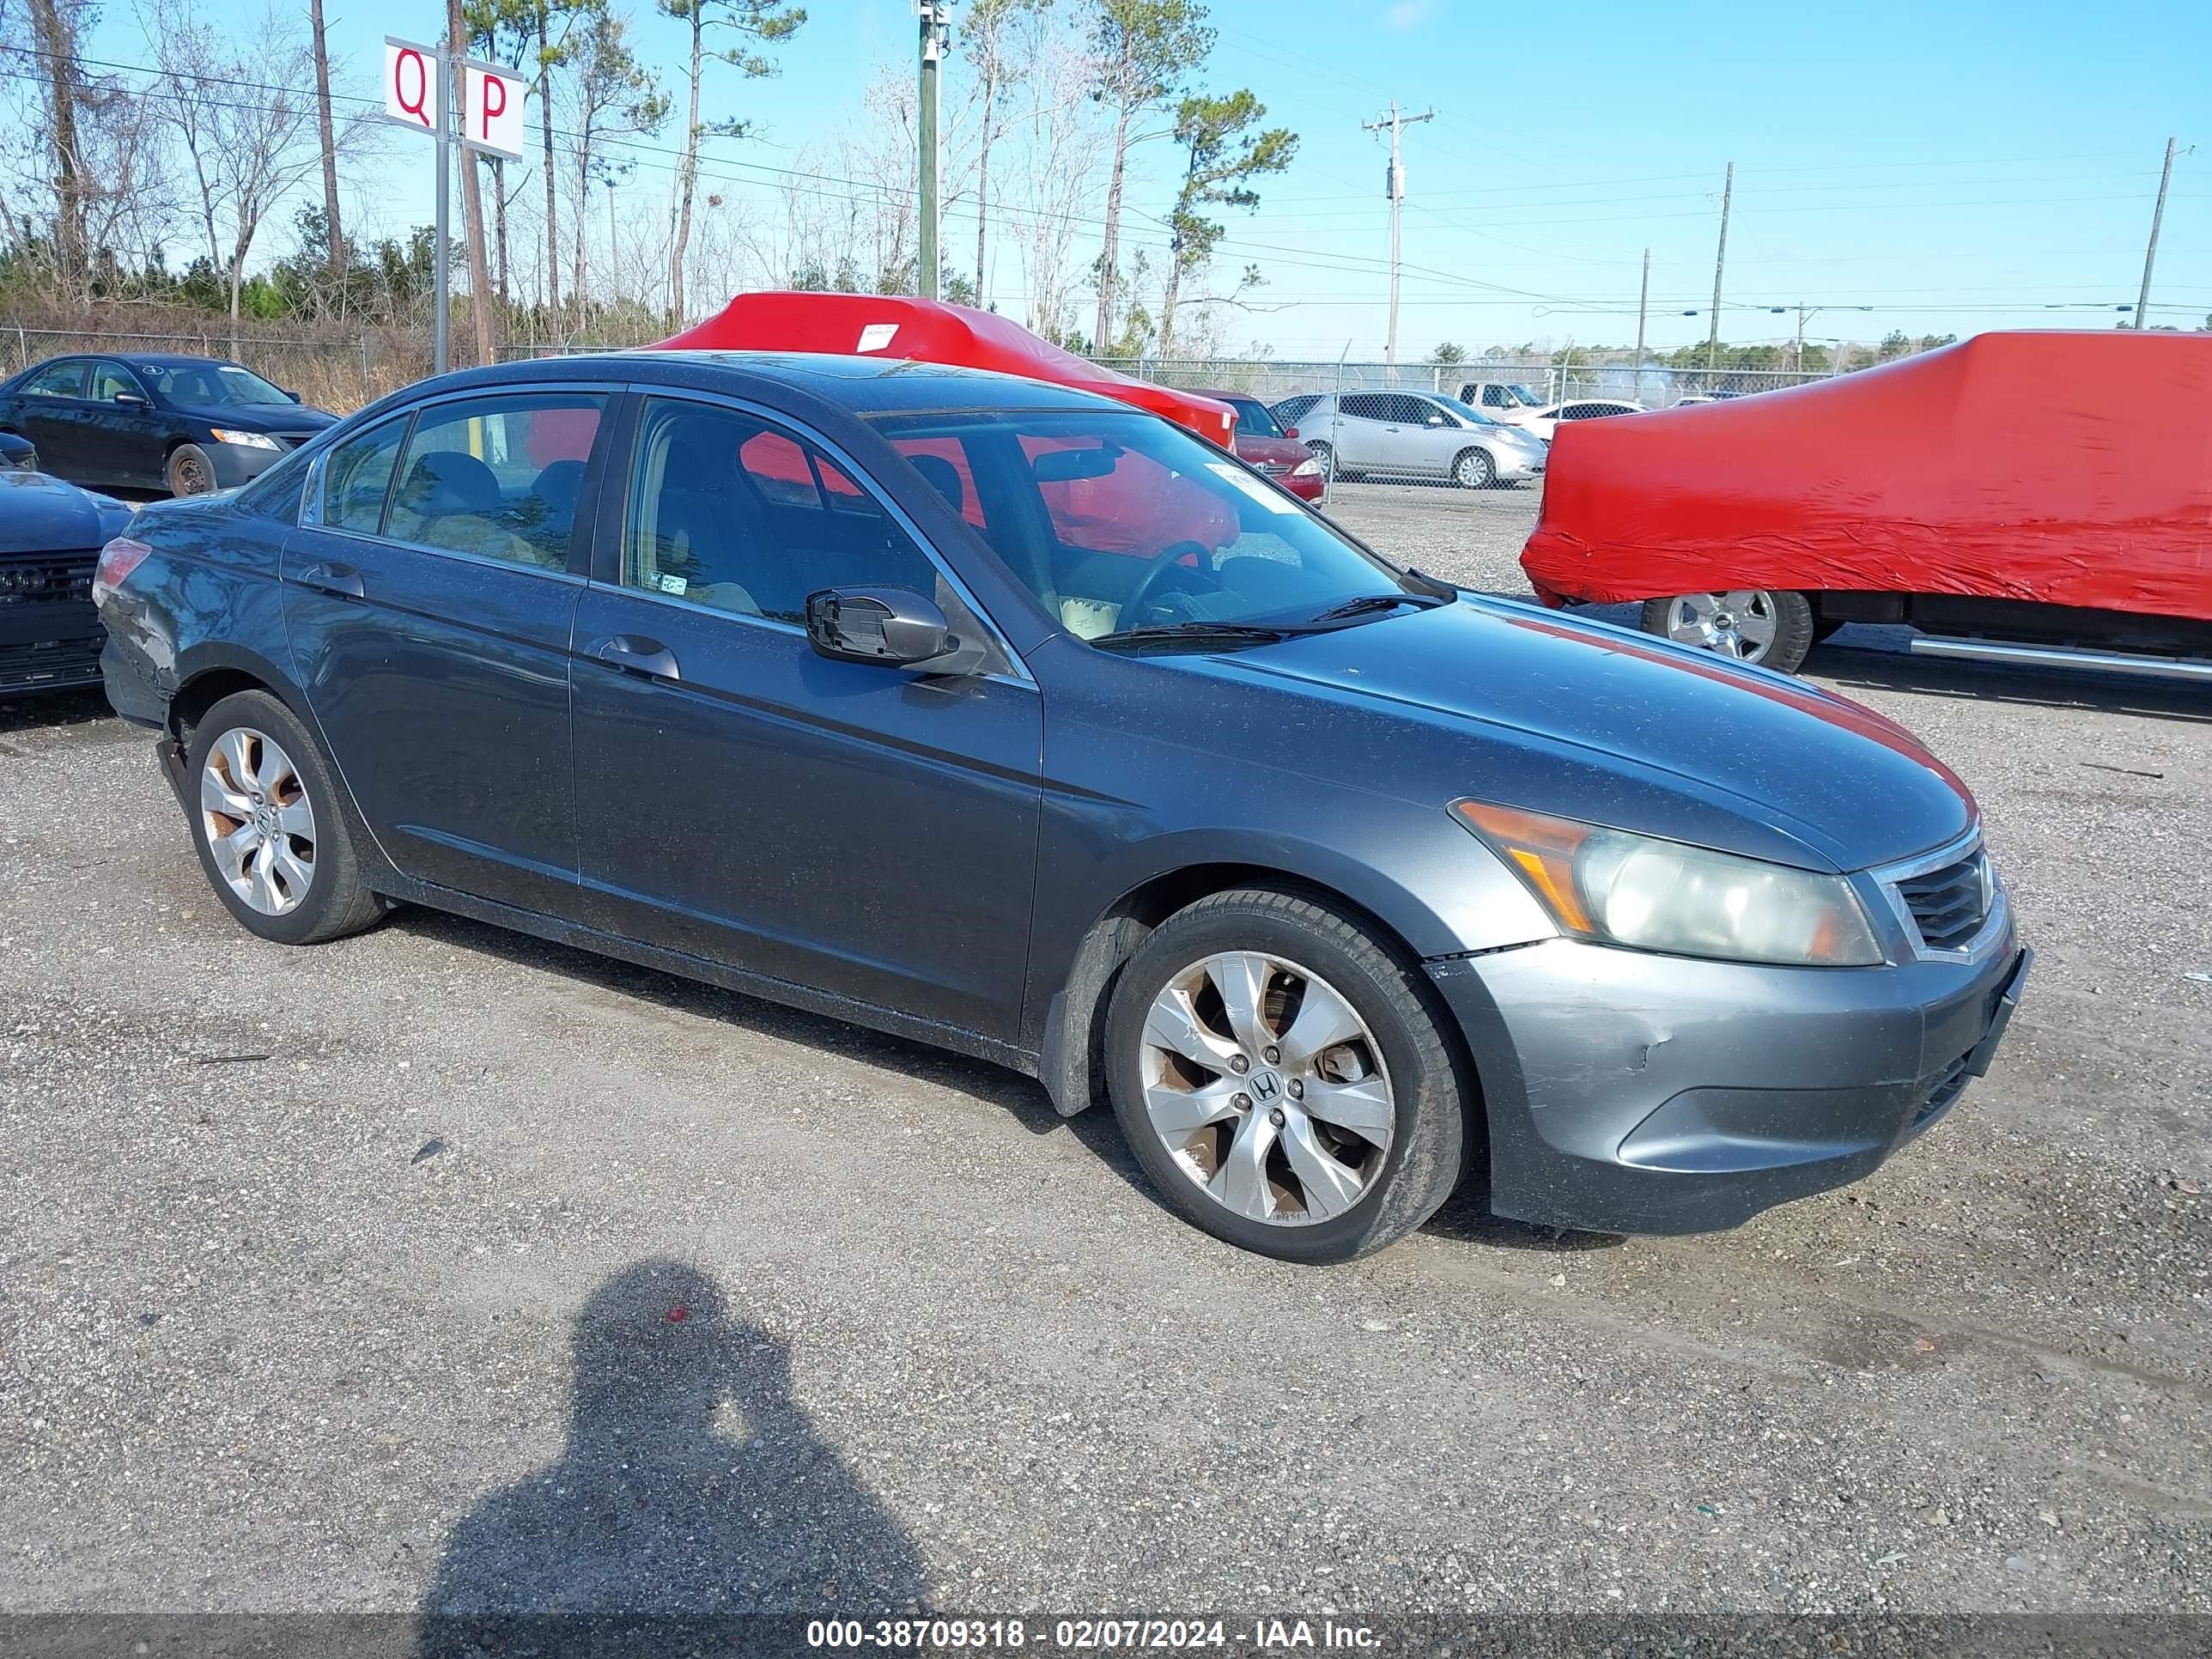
[(259, 824), (1266, 1089), (1769, 626)]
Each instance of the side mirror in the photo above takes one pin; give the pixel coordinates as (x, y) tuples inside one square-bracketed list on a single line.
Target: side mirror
[(18, 453), (133, 400), (1291, 434), (888, 626), (294, 396)]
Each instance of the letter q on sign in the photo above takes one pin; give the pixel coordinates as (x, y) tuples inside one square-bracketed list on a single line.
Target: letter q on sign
[(410, 85)]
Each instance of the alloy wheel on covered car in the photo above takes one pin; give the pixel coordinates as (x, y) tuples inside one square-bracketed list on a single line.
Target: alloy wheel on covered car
[(1772, 627)]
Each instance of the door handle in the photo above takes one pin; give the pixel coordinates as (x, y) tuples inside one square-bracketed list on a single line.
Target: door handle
[(340, 579), (634, 653)]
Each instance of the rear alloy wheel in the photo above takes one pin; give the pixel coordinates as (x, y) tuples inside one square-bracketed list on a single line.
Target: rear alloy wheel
[(267, 823), (1772, 627), (1474, 470), (190, 471), (1282, 1080)]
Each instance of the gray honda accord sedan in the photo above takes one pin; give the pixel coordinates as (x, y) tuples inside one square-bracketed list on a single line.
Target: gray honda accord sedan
[(999, 716)]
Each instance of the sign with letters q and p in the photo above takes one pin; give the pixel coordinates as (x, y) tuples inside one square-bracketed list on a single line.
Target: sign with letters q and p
[(491, 97)]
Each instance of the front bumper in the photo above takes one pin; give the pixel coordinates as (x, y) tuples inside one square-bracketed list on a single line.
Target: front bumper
[(238, 463), (1643, 1094), (1518, 468)]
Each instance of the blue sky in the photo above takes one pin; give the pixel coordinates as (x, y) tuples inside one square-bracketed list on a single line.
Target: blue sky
[(1953, 166)]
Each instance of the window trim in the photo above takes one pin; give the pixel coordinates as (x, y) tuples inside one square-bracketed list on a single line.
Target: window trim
[(610, 392), (606, 571), (83, 380)]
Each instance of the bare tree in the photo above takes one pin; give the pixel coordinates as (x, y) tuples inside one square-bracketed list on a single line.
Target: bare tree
[(1058, 140), (54, 29), (612, 97), (1142, 50), (995, 49), (245, 153), (756, 23)]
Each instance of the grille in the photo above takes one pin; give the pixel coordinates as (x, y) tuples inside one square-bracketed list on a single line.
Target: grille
[(1949, 905), (66, 579), (1273, 469), (49, 662)]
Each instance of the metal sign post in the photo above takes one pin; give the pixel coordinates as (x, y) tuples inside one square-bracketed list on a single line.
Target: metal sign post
[(415, 79)]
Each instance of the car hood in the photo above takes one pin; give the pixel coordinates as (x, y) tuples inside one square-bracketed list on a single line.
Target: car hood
[(1280, 452), (43, 515), (1609, 726), (290, 419)]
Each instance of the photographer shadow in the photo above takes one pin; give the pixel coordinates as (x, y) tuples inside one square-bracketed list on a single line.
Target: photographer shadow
[(693, 1492)]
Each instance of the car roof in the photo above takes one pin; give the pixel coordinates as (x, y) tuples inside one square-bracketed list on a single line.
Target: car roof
[(857, 385)]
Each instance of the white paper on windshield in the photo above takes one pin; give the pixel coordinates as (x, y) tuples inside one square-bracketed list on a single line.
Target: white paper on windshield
[(876, 336), (1251, 486)]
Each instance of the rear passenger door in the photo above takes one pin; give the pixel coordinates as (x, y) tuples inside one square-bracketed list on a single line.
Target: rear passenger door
[(50, 410), (861, 830), (430, 593), (1361, 440)]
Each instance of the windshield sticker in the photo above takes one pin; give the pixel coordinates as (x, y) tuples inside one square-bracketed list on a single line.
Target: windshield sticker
[(1251, 486), (876, 336), (675, 585)]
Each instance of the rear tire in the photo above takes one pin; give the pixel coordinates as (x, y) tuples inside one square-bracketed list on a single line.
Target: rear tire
[(190, 471), (1369, 1132), (269, 827), (1474, 470)]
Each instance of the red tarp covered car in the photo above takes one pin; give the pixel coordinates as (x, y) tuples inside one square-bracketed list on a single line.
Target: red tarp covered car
[(2039, 495), (931, 331)]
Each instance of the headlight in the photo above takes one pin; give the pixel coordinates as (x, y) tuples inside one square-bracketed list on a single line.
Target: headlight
[(249, 440), (1654, 895), (1308, 468)]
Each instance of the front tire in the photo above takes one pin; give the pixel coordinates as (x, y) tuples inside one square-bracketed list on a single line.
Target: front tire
[(1474, 470), (190, 471), (1326, 455), (268, 826), (1283, 1081), (1769, 626)]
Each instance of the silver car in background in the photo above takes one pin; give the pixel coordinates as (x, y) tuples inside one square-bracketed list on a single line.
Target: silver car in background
[(1418, 434)]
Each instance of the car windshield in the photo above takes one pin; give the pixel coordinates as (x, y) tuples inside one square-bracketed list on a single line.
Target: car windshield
[(210, 383), (1467, 412), (1253, 419), (1120, 522)]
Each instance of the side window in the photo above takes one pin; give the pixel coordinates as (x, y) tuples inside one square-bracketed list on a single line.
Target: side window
[(110, 379), (943, 464), (1493, 397), (358, 475), (1419, 411), (498, 476), (62, 380), (727, 511), (1364, 406)]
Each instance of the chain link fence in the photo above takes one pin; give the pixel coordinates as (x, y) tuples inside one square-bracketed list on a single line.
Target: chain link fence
[(1653, 387), (342, 372)]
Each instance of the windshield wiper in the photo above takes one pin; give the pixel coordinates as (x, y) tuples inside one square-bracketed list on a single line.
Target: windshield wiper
[(1367, 602), (1200, 634)]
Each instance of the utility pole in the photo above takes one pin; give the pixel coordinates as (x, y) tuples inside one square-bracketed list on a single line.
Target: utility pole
[(935, 16), (1642, 304), (1797, 358), (2150, 254), (1396, 185), (1720, 259)]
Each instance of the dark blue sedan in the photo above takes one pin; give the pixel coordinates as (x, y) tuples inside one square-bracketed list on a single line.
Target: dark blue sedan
[(187, 425), (1009, 719)]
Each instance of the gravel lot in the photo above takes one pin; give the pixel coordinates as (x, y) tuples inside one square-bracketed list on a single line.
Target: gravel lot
[(349, 1279)]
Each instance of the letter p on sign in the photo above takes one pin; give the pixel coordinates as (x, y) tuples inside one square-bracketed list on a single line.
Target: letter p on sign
[(491, 110)]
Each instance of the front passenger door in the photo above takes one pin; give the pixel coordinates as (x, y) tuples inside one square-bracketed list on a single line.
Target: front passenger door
[(859, 830), (123, 438)]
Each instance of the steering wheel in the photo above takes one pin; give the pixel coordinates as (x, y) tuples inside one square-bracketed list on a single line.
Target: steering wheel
[(1170, 560)]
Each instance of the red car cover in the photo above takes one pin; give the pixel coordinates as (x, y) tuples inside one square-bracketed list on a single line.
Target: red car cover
[(930, 331), (2069, 468)]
